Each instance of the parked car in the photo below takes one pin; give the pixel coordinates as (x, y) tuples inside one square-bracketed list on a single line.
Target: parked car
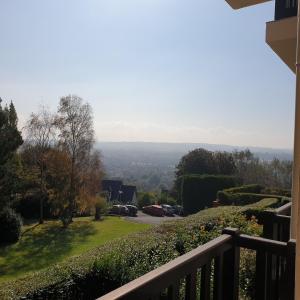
[(121, 210), (154, 210), (132, 210), (178, 210), (168, 210)]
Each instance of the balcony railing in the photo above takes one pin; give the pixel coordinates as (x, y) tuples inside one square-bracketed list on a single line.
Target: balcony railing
[(285, 9), (212, 272)]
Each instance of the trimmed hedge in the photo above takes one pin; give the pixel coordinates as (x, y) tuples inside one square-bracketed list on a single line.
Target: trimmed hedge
[(258, 208), (279, 192), (199, 191), (105, 268), (249, 188), (241, 199)]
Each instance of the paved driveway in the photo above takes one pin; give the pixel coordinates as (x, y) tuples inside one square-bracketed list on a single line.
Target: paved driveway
[(147, 219)]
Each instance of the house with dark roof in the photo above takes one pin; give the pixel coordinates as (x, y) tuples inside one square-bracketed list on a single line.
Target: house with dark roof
[(118, 192)]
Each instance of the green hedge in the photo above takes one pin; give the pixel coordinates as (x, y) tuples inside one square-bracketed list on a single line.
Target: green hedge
[(241, 199), (258, 208), (105, 268), (278, 192), (199, 191), (249, 188)]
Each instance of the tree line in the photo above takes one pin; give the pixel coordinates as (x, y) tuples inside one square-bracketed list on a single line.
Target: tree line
[(54, 163), (241, 164)]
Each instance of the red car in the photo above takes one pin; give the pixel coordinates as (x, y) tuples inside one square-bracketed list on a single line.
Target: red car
[(154, 210)]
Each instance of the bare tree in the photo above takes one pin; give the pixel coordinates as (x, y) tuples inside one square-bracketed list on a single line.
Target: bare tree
[(76, 136), (40, 133)]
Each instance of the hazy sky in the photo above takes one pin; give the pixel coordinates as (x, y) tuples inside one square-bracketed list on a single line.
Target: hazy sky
[(152, 70)]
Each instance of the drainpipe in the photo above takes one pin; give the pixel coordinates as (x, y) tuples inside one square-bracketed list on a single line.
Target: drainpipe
[(295, 221)]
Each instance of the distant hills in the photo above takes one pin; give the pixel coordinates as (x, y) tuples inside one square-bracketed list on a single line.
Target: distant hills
[(151, 166)]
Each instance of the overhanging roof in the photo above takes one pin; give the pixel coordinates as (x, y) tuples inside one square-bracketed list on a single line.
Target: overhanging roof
[(237, 4)]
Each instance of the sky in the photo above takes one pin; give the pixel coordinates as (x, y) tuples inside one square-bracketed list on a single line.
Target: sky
[(152, 70)]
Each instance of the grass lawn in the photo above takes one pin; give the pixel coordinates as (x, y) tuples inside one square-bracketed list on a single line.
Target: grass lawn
[(43, 245)]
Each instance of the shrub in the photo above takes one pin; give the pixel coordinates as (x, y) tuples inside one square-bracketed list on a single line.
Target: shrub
[(241, 199), (145, 199), (101, 207), (249, 188), (29, 206), (10, 226), (199, 191), (257, 210), (102, 269), (167, 200), (279, 192)]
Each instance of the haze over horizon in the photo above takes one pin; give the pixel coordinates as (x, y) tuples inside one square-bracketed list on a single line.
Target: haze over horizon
[(154, 71)]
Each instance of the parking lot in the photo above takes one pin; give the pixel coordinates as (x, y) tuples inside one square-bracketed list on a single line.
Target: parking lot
[(147, 219)]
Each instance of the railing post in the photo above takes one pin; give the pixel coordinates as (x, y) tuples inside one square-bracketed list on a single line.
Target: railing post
[(268, 225), (231, 267), (290, 268)]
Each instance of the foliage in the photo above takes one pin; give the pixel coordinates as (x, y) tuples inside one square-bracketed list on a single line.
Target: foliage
[(241, 164), (10, 140), (111, 265), (247, 274), (60, 161), (166, 199), (58, 181), (10, 226), (40, 131), (250, 188), (100, 207), (28, 206), (59, 243), (145, 199), (76, 136), (274, 173), (201, 161), (277, 191), (199, 191), (241, 199), (257, 209)]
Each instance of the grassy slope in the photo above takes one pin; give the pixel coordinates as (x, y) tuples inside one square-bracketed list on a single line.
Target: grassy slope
[(44, 245)]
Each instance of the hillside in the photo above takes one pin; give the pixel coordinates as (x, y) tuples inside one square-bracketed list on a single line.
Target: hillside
[(151, 165)]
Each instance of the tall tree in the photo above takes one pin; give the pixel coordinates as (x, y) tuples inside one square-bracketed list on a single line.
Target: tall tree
[(10, 140), (76, 136), (40, 131)]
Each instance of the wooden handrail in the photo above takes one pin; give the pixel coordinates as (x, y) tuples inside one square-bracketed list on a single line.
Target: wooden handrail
[(262, 244), (162, 277), (224, 251), (284, 210), (273, 249)]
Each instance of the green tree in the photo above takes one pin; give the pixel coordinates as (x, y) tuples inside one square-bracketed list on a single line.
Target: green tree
[(224, 162), (40, 131), (145, 199), (76, 137), (10, 140)]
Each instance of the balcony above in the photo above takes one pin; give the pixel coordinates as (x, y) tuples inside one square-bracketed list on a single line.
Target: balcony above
[(237, 4), (281, 36), (285, 9)]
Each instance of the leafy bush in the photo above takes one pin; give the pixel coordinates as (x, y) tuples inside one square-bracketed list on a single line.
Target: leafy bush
[(167, 200), (241, 199), (249, 188), (276, 191), (10, 226), (29, 206), (102, 269), (145, 199), (256, 210), (101, 207), (199, 191)]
